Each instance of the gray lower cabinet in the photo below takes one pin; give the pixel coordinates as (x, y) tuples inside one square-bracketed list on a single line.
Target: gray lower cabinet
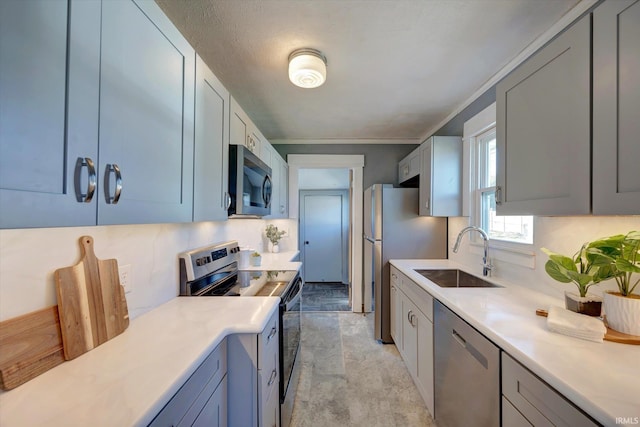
[(202, 400), (98, 122), (543, 129), (211, 165), (532, 402), (616, 103), (441, 176), (412, 331), (254, 386)]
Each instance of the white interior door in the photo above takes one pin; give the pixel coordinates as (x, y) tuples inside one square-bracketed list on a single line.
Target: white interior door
[(324, 235)]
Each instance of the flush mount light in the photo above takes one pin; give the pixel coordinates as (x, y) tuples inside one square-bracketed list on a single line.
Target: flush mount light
[(307, 68)]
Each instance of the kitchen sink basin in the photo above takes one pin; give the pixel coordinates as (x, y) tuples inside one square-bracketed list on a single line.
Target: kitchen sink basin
[(452, 278)]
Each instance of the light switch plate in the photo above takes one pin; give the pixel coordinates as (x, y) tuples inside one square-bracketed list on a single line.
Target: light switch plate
[(125, 277)]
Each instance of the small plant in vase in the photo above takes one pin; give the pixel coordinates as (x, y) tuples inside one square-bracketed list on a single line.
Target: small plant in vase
[(584, 271), (620, 255), (274, 235), (256, 259)]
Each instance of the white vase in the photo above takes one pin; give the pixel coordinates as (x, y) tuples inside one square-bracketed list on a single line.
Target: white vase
[(275, 248), (623, 313)]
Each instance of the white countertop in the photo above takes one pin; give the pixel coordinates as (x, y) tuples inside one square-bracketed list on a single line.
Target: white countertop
[(128, 380), (276, 261), (603, 379)]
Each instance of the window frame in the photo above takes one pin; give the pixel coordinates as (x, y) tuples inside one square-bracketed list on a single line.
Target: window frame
[(480, 125)]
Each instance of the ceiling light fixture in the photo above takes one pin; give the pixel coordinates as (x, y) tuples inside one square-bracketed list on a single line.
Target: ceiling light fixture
[(307, 68)]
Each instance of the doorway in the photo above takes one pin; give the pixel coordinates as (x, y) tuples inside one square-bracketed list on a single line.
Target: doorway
[(352, 166)]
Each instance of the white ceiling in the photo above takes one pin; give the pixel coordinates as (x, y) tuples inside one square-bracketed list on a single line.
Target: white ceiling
[(396, 68)]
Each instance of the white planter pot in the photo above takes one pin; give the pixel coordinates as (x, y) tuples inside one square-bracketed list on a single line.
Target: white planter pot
[(275, 248), (623, 313)]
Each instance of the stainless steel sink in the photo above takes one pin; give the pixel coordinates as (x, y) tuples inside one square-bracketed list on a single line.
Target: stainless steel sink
[(452, 278)]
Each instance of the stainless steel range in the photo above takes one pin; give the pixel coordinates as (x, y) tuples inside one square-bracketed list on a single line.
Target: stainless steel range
[(213, 271)]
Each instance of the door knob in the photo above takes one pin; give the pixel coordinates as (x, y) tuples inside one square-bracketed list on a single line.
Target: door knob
[(306, 242)]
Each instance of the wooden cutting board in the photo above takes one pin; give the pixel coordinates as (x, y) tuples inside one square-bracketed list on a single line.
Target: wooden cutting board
[(91, 302), (29, 345)]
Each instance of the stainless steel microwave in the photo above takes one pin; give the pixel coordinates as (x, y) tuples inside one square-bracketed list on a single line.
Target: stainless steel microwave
[(249, 183)]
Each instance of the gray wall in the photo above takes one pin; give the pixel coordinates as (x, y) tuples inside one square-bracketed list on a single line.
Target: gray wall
[(380, 160)]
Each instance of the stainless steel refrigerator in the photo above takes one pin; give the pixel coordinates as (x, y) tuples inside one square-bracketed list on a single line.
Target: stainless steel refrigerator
[(394, 230)]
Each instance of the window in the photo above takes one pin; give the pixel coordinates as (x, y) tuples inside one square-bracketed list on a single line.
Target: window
[(517, 229)]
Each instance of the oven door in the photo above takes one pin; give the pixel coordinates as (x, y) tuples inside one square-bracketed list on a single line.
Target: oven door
[(289, 333)]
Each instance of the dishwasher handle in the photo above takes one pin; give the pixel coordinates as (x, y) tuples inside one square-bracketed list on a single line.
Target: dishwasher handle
[(470, 348)]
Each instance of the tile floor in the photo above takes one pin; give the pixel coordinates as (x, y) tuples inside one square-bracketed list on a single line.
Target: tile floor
[(349, 379), (325, 297)]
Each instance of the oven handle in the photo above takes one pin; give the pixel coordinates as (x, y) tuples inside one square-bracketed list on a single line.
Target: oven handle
[(295, 299)]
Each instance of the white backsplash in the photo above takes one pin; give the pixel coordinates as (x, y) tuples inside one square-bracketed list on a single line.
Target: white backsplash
[(563, 235), (29, 257)]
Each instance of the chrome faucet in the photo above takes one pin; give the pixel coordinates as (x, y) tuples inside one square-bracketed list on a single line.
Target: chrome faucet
[(486, 262)]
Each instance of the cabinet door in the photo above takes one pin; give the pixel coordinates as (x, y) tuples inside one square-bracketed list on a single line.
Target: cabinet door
[(616, 102), (239, 126), (425, 359), (211, 158), (284, 189), (410, 335), (425, 179), (146, 116), (42, 43), (543, 129), (271, 410), (393, 291), (214, 413)]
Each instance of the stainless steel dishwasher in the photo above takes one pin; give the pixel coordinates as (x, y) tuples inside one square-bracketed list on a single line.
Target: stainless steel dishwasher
[(467, 373)]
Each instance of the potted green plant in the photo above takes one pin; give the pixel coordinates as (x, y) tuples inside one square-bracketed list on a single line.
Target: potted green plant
[(582, 270), (256, 259), (620, 255), (274, 235)]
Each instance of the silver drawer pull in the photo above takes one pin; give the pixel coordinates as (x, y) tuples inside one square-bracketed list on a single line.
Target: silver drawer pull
[(274, 374), (272, 333), (91, 174), (107, 193)]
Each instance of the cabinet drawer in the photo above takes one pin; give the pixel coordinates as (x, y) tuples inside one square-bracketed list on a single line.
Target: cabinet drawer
[(268, 341), (421, 298), (268, 375), (511, 417), (214, 413), (540, 404), (187, 403), (270, 416)]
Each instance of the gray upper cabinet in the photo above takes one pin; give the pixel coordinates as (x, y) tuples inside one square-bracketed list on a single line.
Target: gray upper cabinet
[(97, 112), (543, 129), (409, 167), (616, 106), (441, 176), (41, 42), (210, 193), (146, 116)]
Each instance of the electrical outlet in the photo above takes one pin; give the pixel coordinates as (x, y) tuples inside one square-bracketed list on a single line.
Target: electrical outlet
[(125, 278)]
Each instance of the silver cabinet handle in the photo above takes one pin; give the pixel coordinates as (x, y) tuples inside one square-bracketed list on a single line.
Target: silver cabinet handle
[(409, 316), (274, 374), (107, 192), (498, 195), (272, 333), (91, 174), (228, 200), (426, 204)]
